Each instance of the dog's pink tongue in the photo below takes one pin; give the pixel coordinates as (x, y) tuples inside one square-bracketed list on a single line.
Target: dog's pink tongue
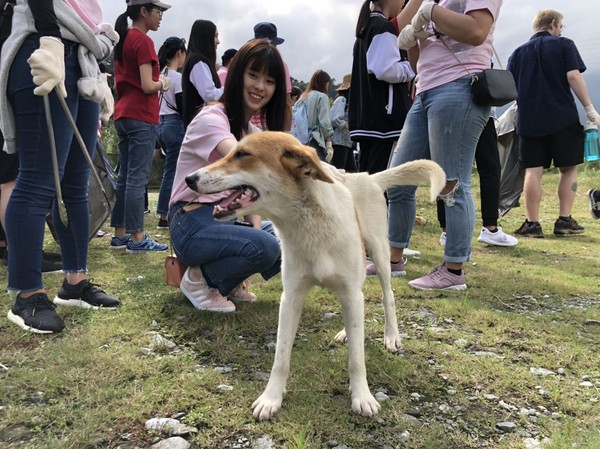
[(226, 203)]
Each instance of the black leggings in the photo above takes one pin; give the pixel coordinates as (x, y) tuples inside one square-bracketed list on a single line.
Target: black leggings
[(487, 159)]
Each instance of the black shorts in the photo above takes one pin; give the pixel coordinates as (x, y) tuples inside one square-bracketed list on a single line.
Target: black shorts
[(564, 148), (9, 164)]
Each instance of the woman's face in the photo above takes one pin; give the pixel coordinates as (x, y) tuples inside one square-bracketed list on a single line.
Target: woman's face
[(258, 91), (217, 41), (153, 18)]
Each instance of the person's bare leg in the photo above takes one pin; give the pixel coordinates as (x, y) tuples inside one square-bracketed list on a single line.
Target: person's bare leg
[(532, 189), (567, 189)]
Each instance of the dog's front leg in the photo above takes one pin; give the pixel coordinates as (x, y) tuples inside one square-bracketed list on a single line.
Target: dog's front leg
[(363, 401), (290, 311)]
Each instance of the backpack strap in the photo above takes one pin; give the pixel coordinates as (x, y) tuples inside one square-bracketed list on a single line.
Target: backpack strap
[(6, 13)]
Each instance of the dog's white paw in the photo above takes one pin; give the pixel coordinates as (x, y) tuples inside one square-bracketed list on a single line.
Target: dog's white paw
[(392, 342), (341, 336), (266, 406), (365, 404)]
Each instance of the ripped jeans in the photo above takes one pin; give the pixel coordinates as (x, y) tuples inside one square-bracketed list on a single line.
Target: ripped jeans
[(443, 125)]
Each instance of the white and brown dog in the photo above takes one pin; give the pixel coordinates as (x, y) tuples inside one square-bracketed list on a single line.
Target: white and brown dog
[(322, 217)]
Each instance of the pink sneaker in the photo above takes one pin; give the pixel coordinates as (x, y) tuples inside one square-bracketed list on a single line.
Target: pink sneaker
[(242, 294), (440, 279), (204, 297), (398, 268)]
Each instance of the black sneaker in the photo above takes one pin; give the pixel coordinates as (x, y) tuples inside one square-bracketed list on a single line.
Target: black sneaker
[(594, 196), (530, 229), (162, 224), (51, 267), (51, 257), (567, 227), (36, 314), (85, 295)]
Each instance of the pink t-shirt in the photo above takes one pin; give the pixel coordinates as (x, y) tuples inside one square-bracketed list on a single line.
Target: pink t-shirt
[(90, 11), (208, 128), (437, 65)]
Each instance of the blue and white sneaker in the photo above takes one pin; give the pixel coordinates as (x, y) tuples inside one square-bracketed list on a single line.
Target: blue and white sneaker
[(119, 242), (145, 245)]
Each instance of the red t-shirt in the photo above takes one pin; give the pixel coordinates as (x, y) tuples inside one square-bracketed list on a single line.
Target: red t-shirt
[(132, 102)]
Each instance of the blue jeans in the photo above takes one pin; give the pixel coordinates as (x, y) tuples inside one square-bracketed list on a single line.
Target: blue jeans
[(35, 193), (227, 253), (136, 149), (443, 125), (170, 136)]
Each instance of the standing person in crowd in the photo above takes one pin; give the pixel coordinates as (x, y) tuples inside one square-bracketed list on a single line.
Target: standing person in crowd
[(268, 30), (57, 51), (319, 116), (222, 255), (447, 33), (225, 62), (200, 81), (171, 56), (295, 94), (138, 82), (380, 97), (343, 156), (487, 160), (546, 69)]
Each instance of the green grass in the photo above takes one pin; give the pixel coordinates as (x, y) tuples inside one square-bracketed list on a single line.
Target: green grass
[(95, 385)]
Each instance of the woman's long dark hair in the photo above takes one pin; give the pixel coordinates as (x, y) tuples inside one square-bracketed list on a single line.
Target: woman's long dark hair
[(121, 26), (201, 47), (363, 17), (169, 49), (261, 56)]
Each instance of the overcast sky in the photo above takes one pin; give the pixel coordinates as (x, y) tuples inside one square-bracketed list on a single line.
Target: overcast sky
[(320, 35)]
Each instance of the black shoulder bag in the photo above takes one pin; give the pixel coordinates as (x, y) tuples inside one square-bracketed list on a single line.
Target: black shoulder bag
[(6, 13)]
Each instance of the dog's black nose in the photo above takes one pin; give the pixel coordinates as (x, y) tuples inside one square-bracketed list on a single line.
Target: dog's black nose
[(191, 181)]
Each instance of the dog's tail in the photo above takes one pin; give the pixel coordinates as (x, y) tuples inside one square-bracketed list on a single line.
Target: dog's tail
[(413, 173)]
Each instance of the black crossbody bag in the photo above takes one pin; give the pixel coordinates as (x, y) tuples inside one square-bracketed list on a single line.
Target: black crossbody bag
[(492, 87), (6, 13)]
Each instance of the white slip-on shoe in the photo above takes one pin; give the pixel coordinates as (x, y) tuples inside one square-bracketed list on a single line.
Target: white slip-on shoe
[(498, 238), (204, 297)]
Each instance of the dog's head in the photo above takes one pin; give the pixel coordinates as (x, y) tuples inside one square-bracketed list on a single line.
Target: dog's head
[(259, 168)]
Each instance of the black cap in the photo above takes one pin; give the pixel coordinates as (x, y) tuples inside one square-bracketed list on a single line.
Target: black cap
[(267, 30), (228, 55)]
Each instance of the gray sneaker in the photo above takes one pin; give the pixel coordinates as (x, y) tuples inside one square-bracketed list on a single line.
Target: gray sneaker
[(398, 268), (440, 279)]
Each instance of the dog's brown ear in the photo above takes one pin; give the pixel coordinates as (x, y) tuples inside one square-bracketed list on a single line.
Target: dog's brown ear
[(302, 162)]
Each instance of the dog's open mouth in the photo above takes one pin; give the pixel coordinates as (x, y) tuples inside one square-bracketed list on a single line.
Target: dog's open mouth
[(239, 198)]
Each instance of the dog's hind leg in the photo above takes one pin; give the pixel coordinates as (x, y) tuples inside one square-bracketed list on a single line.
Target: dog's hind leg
[(353, 311), (290, 311)]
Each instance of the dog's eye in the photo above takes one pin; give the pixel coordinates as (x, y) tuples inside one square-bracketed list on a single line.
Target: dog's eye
[(240, 154)]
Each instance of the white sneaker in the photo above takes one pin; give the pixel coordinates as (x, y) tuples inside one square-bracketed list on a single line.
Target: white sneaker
[(204, 297), (443, 238), (498, 238)]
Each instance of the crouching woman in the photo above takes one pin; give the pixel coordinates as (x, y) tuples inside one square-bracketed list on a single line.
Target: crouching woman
[(222, 255)]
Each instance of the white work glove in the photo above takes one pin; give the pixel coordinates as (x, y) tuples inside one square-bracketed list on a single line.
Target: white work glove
[(423, 16), (592, 114), (328, 151), (407, 38), (48, 67), (109, 31), (107, 105), (166, 82)]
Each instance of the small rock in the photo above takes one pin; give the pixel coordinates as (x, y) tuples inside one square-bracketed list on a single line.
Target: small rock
[(592, 322), (451, 392), (135, 279), (223, 369), (169, 426), (532, 443), (404, 436), (224, 387), (330, 315), (415, 397), (490, 397), (541, 372), (507, 426), (260, 375), (409, 420), (340, 446), (381, 396), (561, 371), (586, 384), (158, 341), (461, 342), (263, 443), (172, 443)]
